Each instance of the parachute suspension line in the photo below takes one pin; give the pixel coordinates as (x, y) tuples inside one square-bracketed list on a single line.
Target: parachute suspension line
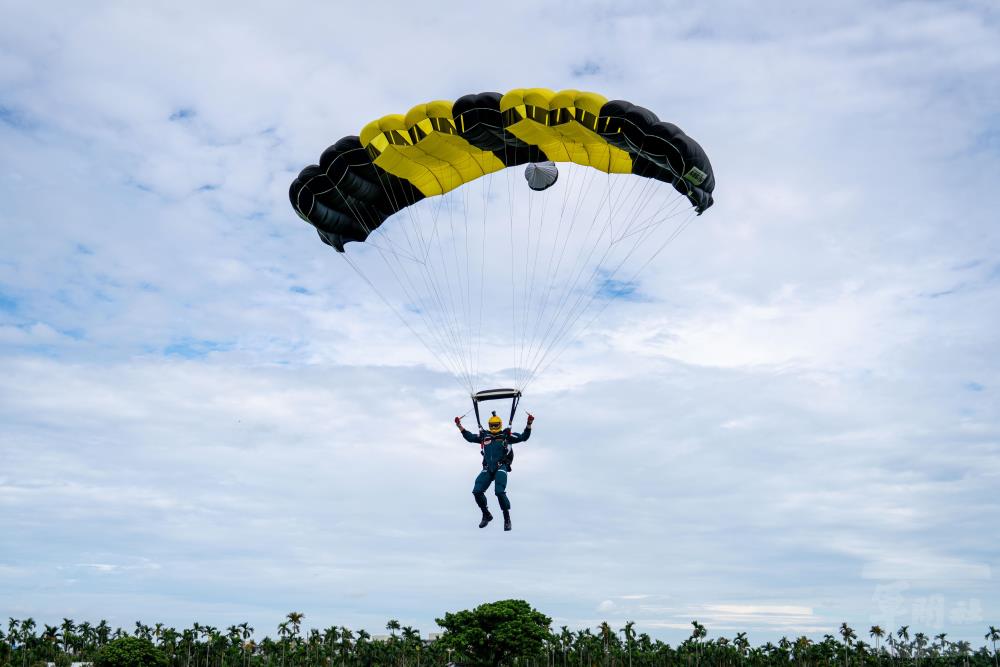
[(447, 317), (538, 311), (468, 285), (510, 209), (442, 326), (657, 218), (578, 267), (638, 203), (360, 218), (513, 278), (458, 298), (455, 291), (639, 214), (464, 286), (529, 316), (684, 224), (580, 305), (482, 276), (401, 318), (548, 314), (456, 367), (539, 368), (565, 330), (535, 309), (554, 266), (451, 305), (519, 305)]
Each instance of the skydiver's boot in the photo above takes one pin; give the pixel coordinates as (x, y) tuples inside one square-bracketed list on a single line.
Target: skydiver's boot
[(481, 501), (506, 519)]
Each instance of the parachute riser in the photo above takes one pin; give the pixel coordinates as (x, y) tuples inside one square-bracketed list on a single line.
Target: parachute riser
[(495, 395)]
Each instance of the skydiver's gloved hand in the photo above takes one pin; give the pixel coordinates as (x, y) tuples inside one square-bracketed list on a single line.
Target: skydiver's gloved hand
[(458, 422), (531, 418)]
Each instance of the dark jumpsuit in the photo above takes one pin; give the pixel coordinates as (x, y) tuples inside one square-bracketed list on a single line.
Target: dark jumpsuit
[(495, 450)]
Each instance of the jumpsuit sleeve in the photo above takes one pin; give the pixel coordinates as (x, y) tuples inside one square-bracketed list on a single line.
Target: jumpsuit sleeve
[(469, 436), (520, 437)]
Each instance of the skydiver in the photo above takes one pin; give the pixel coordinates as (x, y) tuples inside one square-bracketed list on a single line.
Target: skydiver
[(495, 446)]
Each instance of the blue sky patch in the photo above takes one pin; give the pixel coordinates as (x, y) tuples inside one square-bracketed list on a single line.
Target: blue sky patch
[(974, 386), (299, 289), (183, 114), (8, 304), (626, 290), (191, 348), (14, 118), (588, 68)]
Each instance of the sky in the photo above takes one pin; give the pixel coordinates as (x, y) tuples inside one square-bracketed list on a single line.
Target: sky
[(791, 420)]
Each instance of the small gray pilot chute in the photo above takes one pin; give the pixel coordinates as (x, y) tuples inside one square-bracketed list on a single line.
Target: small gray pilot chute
[(541, 175)]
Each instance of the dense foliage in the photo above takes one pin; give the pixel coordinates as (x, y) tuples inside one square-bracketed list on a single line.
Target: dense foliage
[(516, 636), (130, 652), (493, 633)]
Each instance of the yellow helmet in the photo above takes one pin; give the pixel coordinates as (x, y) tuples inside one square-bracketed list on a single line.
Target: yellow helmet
[(495, 423)]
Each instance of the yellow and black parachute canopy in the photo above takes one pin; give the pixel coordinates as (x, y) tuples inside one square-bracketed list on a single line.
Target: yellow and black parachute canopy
[(439, 146)]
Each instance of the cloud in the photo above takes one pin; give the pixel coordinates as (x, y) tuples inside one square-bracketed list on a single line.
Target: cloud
[(765, 425)]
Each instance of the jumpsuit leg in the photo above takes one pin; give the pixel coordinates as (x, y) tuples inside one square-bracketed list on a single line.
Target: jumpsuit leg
[(500, 488), (479, 488)]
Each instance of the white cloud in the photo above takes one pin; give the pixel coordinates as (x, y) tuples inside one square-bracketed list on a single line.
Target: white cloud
[(801, 407)]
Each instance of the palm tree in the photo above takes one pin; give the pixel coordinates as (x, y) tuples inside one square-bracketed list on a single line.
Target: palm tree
[(208, 633), (904, 636), (295, 618), (12, 633), (877, 632), (801, 648), (697, 635), (27, 636), (362, 645), (920, 640), (188, 638), (605, 639), (103, 631), (629, 637), (51, 638), (993, 636), (86, 635), (67, 633), (330, 637), (346, 637), (143, 631), (246, 632), (565, 641), (848, 635), (392, 626), (283, 633), (741, 644), (169, 637), (964, 649)]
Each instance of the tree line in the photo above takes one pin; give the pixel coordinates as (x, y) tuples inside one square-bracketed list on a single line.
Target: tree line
[(507, 633)]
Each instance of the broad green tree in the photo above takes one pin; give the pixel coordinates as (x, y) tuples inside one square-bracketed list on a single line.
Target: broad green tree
[(495, 632)]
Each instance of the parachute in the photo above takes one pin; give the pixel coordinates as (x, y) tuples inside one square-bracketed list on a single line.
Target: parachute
[(496, 279)]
